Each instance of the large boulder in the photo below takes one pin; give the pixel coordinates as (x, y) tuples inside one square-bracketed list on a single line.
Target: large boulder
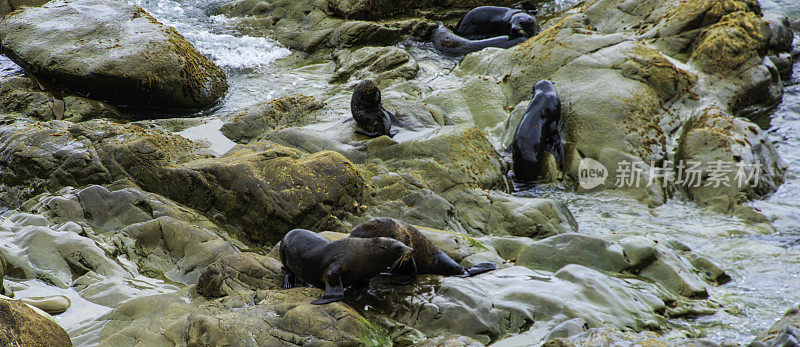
[(510, 300), (273, 317), (308, 25), (112, 51), (252, 122), (726, 161), (21, 325)]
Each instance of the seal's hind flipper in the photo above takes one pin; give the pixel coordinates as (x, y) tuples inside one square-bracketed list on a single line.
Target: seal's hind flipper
[(349, 120), (367, 133), (481, 268), (392, 117), (334, 291)]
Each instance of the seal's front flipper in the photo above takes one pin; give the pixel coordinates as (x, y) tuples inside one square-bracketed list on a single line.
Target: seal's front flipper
[(288, 280), (411, 277), (481, 268), (334, 291)]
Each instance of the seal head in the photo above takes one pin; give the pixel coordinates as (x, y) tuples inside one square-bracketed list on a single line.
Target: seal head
[(365, 105)]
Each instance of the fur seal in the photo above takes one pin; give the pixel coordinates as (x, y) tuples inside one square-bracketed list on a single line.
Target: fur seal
[(490, 21), (365, 105), (449, 43), (537, 132), (308, 257), (427, 258)]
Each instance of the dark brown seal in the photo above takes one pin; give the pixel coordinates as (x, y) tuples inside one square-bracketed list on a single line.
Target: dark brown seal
[(448, 42), (491, 21), (335, 265), (537, 133), (427, 258), (365, 105)]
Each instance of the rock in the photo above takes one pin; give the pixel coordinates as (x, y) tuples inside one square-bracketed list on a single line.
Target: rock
[(22, 95), (278, 187), (57, 256), (23, 326), (784, 63), (507, 301), (557, 251), (380, 64), (7, 6), (88, 47), (781, 35), (252, 122), (445, 158), (271, 318), (786, 332), (610, 337), (496, 213), (364, 9), (239, 273), (634, 255), (735, 39), (743, 162), (51, 304), (644, 80), (360, 33)]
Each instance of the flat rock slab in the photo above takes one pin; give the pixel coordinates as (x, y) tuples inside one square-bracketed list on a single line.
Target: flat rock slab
[(111, 51)]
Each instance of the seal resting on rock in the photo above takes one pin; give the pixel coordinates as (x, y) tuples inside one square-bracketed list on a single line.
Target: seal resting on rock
[(537, 132), (490, 21), (334, 265), (449, 43), (365, 105), (427, 258)]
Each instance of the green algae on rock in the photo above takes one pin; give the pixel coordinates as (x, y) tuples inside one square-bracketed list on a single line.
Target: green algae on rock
[(111, 51)]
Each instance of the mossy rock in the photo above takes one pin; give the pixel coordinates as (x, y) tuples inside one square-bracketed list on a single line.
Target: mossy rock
[(716, 137), (735, 39), (112, 51)]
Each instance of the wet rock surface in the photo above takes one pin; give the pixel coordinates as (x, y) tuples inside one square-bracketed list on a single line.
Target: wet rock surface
[(785, 332)]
